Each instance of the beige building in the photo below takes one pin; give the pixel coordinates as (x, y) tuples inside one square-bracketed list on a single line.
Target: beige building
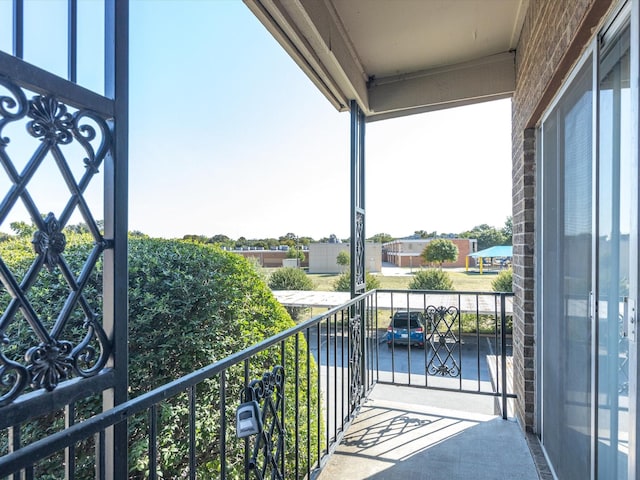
[(322, 257)]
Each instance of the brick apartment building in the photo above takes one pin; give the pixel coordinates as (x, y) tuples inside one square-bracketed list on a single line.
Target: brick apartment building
[(408, 252)]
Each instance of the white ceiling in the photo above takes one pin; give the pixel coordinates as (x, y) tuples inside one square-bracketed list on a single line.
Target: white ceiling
[(397, 57), (393, 37)]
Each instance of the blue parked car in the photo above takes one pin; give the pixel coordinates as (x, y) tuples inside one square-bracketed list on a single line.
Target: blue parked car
[(406, 328)]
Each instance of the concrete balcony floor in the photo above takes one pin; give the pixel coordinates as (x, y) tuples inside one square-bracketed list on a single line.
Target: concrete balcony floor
[(409, 433)]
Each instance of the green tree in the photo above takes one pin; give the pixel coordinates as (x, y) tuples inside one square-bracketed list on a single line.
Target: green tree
[(305, 241), (503, 282), (440, 251), (297, 254), (23, 229), (271, 242), (195, 238), (290, 239), (486, 235), (507, 231), (431, 279), (343, 259), (77, 228), (425, 234), (221, 241), (220, 238), (381, 238)]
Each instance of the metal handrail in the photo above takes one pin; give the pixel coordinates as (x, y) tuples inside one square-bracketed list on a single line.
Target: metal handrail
[(443, 353), (339, 405), (25, 457)]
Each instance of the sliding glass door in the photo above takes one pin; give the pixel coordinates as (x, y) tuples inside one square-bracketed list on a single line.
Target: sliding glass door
[(614, 228), (588, 203), (566, 278)]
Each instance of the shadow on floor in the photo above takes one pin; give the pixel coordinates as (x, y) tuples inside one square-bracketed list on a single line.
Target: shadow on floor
[(394, 440)]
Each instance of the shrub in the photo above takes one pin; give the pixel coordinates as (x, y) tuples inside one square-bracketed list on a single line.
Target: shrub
[(343, 282), (431, 279), (503, 282), (440, 251), (290, 278), (189, 305)]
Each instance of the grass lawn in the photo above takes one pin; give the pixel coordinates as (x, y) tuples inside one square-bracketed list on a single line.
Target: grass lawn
[(462, 281), (473, 281)]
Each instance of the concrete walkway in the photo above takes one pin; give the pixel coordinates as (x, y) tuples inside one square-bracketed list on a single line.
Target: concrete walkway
[(405, 433), (468, 302)]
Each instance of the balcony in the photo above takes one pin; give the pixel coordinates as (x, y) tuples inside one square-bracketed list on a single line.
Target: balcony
[(337, 396), (403, 432)]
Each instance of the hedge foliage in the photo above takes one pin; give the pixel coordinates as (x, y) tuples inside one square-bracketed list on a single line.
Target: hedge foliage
[(291, 278), (343, 282), (431, 279), (503, 282), (189, 306)]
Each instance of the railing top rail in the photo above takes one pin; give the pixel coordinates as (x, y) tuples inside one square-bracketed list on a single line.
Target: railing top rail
[(43, 82), (444, 292)]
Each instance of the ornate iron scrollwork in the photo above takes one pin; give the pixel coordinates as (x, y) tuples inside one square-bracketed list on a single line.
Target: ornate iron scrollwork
[(12, 108), (51, 121), (360, 258), (49, 243), (14, 377), (267, 454), (49, 363), (51, 356), (444, 343), (356, 379)]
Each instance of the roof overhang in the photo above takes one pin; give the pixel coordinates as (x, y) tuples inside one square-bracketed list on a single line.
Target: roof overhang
[(400, 57)]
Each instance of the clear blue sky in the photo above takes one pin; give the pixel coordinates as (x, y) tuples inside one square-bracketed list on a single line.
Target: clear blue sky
[(227, 135)]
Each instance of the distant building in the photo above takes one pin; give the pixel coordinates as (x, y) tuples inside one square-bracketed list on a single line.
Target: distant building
[(322, 257), (408, 252), (270, 258)]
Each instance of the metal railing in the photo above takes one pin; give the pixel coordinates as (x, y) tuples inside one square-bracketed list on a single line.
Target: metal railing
[(463, 343), (324, 367), (325, 378)]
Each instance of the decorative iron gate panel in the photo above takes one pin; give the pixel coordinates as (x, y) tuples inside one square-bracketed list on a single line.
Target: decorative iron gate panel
[(444, 358), (63, 151), (49, 357), (356, 356), (267, 451)]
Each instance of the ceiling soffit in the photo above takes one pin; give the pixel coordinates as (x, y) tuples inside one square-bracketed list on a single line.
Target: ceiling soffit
[(400, 57)]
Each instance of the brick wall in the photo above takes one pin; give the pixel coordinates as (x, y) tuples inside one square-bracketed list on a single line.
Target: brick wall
[(554, 34), (416, 248)]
